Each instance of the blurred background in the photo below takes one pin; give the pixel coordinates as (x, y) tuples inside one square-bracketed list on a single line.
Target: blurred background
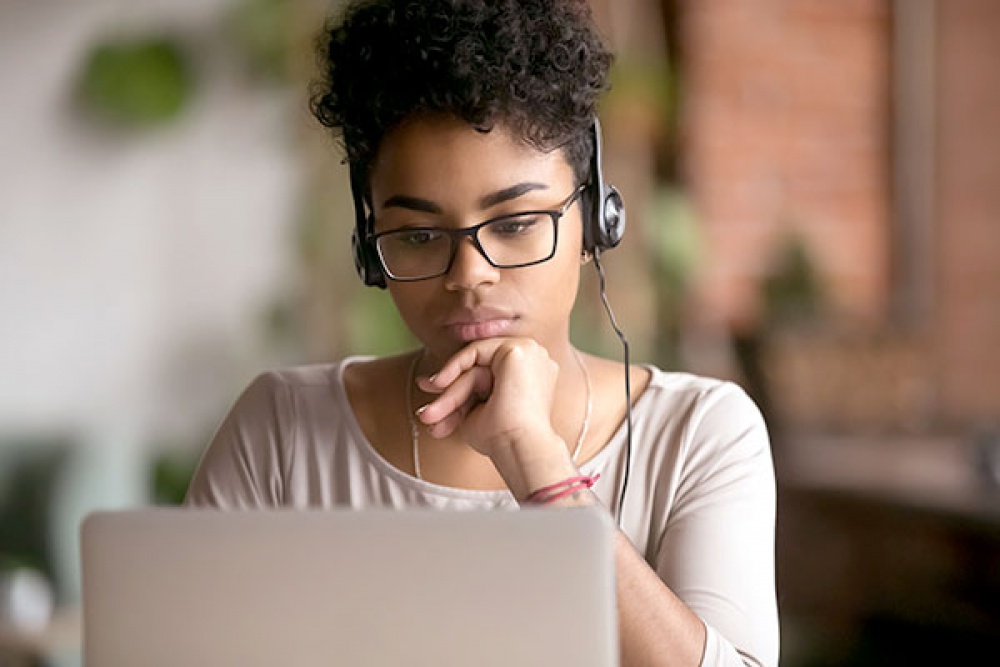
[(813, 192)]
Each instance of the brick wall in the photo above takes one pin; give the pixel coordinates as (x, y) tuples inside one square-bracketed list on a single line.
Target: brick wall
[(967, 295), (785, 131), (786, 127)]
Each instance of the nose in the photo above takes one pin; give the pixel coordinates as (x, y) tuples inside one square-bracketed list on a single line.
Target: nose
[(470, 269)]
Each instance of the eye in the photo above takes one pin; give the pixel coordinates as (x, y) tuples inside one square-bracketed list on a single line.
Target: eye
[(519, 225), (416, 238)]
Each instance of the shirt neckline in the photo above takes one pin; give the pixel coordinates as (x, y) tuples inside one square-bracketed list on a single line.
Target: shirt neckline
[(597, 463)]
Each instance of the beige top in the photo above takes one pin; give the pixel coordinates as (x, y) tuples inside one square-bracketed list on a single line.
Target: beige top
[(699, 504)]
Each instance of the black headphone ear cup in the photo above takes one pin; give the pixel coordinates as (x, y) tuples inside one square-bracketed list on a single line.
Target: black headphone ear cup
[(366, 262), (605, 224), (358, 254), (590, 219), (612, 218)]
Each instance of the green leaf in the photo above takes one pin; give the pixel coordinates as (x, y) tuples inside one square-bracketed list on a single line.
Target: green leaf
[(136, 82)]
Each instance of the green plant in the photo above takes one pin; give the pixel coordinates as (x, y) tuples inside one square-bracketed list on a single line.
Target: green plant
[(171, 473), (262, 31), (136, 82), (32, 469), (676, 250), (792, 291)]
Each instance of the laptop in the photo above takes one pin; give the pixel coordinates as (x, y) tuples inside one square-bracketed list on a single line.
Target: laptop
[(172, 586)]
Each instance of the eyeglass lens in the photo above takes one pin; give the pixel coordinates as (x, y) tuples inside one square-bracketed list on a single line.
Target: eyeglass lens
[(507, 242)]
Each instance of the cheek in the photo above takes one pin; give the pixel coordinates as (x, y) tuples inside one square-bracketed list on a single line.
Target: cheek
[(571, 237), (411, 302), (554, 284), (561, 274)]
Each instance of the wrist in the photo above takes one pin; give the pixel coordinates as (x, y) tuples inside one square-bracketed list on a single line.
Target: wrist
[(570, 492), (528, 463)]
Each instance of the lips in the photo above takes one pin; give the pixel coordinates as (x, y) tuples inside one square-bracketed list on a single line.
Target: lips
[(479, 323)]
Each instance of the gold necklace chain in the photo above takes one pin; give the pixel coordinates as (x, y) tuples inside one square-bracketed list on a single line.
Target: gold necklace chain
[(415, 429)]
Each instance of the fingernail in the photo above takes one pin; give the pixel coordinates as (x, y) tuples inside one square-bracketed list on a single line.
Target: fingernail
[(421, 409), (432, 378)]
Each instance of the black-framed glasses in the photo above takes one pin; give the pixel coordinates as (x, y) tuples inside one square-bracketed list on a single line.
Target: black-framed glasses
[(506, 242)]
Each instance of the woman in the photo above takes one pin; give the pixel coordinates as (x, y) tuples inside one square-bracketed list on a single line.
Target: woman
[(469, 130)]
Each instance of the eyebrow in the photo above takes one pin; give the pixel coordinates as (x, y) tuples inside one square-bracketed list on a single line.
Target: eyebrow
[(488, 201), (513, 192), (412, 203)]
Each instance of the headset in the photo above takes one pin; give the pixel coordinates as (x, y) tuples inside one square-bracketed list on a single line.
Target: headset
[(366, 261), (604, 224), (603, 228), (603, 220)]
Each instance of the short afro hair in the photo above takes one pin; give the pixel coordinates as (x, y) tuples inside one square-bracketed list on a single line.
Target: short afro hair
[(536, 67)]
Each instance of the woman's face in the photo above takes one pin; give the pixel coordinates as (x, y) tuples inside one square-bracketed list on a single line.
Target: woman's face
[(438, 171)]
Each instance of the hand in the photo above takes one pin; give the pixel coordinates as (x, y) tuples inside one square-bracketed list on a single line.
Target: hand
[(494, 392)]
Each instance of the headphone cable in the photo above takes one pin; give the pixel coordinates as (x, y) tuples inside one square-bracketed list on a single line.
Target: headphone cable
[(628, 384)]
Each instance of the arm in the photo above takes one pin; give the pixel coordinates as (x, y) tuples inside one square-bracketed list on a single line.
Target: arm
[(654, 626), (716, 551), (712, 589)]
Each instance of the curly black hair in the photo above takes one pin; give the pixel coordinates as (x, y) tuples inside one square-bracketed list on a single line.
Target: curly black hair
[(535, 66)]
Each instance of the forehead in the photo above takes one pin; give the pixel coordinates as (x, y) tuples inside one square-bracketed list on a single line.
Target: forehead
[(443, 158)]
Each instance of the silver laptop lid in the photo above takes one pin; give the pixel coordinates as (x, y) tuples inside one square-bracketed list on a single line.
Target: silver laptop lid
[(345, 587)]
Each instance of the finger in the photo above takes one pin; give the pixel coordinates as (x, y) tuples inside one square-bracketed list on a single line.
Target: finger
[(471, 387), (450, 423), (453, 420), (477, 353), (428, 385)]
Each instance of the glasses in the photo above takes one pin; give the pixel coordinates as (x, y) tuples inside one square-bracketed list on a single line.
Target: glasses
[(507, 242)]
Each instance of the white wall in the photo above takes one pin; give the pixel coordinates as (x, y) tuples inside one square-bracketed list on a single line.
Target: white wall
[(133, 269)]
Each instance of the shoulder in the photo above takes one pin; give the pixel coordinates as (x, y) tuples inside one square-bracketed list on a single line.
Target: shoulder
[(699, 394), (709, 417), (275, 397), (278, 383), (311, 375)]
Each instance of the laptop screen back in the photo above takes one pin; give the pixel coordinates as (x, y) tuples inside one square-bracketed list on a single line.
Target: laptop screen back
[(344, 587)]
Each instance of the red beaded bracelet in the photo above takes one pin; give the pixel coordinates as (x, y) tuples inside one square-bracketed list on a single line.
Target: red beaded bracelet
[(553, 492)]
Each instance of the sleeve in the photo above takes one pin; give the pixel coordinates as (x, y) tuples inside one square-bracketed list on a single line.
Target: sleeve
[(242, 466), (717, 552)]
